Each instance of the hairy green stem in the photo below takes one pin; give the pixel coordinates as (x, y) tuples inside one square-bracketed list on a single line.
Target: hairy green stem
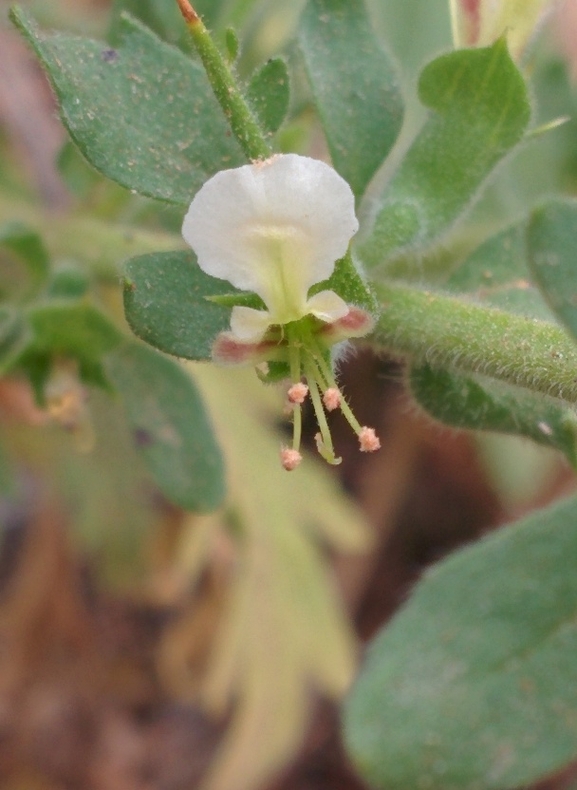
[(449, 332), (242, 121)]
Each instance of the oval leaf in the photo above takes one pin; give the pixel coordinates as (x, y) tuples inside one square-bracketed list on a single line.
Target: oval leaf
[(474, 682), (268, 94), (27, 245), (72, 329), (165, 300), (552, 237), (143, 114), (354, 84), (170, 425), (479, 111), (497, 273), (476, 403), (68, 330)]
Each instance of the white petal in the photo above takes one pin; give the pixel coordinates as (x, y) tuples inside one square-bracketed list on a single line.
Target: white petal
[(274, 227), (327, 306), (249, 324)]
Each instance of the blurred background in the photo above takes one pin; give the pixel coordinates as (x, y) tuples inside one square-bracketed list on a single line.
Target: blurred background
[(116, 606)]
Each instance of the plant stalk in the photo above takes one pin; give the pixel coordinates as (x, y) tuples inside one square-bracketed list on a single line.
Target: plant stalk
[(449, 332), (239, 115)]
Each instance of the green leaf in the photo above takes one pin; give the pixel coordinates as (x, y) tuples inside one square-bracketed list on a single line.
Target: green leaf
[(143, 114), (80, 178), (70, 330), (268, 94), (232, 44), (68, 282), (15, 336), (476, 403), (348, 283), (243, 298), (161, 16), (171, 427), (166, 305), (77, 329), (27, 245), (497, 274), (354, 85), (479, 112), (474, 682), (551, 239)]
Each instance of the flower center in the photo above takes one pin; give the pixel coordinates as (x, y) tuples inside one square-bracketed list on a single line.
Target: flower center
[(280, 251)]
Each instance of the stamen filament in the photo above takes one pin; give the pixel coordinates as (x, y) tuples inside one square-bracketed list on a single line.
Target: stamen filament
[(331, 382), (240, 116), (295, 368), (326, 446)]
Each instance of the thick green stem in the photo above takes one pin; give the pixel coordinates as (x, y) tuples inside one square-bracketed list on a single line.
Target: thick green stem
[(242, 121), (445, 331)]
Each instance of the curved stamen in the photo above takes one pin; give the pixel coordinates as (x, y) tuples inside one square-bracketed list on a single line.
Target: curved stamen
[(325, 445)]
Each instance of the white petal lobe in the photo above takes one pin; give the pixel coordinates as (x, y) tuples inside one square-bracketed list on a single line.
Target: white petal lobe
[(327, 306), (274, 227), (249, 324)]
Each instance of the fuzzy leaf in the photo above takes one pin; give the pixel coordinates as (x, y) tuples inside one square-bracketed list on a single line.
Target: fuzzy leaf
[(349, 284), (476, 403), (497, 274), (15, 337), (62, 329), (474, 683), (27, 245), (354, 84), (166, 305), (170, 425), (72, 329), (268, 93), (479, 111), (143, 114), (552, 237)]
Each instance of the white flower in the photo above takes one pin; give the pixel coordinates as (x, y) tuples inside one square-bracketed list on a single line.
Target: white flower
[(274, 228)]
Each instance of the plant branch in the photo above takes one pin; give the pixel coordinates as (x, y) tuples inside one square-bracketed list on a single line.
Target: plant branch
[(242, 121), (449, 332)]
